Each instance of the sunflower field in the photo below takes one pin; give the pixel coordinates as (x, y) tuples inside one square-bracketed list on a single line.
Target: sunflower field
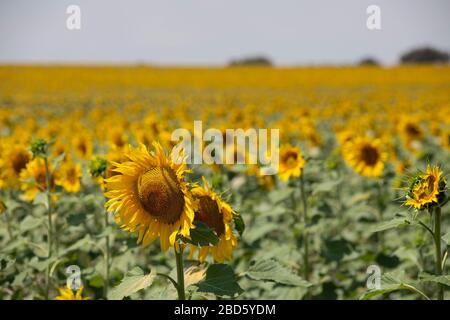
[(93, 206)]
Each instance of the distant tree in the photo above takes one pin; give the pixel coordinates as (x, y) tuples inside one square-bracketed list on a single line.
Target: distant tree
[(251, 61), (368, 61), (424, 55)]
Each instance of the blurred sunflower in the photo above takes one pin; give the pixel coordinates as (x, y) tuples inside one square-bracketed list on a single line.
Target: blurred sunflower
[(69, 177), (425, 188), (410, 132), (82, 144), (150, 196), (291, 162), (217, 215), (15, 159), (365, 156), (67, 294), (33, 179)]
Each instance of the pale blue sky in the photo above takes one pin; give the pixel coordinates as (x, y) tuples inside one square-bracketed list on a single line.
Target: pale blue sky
[(214, 31)]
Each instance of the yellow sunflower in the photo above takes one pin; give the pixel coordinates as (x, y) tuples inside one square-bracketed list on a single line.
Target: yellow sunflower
[(150, 196), (15, 159), (67, 294), (291, 162), (217, 215), (34, 180), (411, 132), (365, 156), (425, 188), (82, 144), (69, 177)]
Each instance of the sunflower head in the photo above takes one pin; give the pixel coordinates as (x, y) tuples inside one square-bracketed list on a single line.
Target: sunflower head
[(69, 177), (39, 148), (67, 293), (149, 195), (15, 159), (97, 167), (34, 180), (426, 189), (365, 156), (291, 162), (211, 210)]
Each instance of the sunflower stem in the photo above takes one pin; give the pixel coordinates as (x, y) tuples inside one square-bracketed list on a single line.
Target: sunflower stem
[(50, 223), (180, 272), (380, 205), (437, 243), (305, 237), (107, 258)]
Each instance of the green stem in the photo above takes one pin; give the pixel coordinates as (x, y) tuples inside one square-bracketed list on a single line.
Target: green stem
[(437, 243), (50, 223), (380, 205), (107, 258), (180, 274), (8, 225), (175, 284), (305, 238)]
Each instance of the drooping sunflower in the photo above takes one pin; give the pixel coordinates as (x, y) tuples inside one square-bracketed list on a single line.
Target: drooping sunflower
[(66, 293), (365, 156), (426, 188), (211, 210), (291, 162), (149, 195)]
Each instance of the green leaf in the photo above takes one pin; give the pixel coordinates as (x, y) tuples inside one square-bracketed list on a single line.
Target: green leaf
[(41, 199), (96, 281), (426, 277), (386, 225), (239, 223), (391, 282), (271, 270), (77, 245), (326, 187), (134, 281), (259, 231), (279, 195), (446, 238), (202, 235), (76, 219), (220, 280), (378, 292), (56, 161), (30, 223)]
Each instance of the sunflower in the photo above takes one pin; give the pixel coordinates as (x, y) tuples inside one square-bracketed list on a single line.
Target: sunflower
[(291, 162), (69, 177), (445, 138), (426, 188), (34, 180), (82, 144), (211, 210), (411, 132), (150, 196), (15, 159), (67, 294), (365, 156)]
